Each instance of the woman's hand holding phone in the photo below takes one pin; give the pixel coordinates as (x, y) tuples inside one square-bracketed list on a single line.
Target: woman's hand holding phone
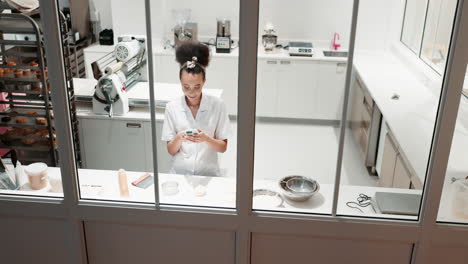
[(198, 137)]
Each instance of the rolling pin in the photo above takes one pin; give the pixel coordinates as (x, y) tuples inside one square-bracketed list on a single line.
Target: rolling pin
[(123, 183), (113, 68)]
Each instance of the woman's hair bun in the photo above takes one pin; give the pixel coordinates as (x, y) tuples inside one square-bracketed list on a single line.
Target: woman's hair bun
[(190, 49)]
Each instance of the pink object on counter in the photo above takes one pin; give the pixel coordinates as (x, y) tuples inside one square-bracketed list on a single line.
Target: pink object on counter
[(335, 44)]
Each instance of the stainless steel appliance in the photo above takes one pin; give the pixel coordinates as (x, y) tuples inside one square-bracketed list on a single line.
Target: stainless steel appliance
[(223, 36), (185, 32), (301, 49), (269, 39)]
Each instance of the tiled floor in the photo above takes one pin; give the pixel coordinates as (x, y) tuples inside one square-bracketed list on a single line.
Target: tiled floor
[(283, 149)]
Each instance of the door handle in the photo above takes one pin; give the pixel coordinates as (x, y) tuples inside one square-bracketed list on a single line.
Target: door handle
[(272, 62), (133, 125), (285, 62)]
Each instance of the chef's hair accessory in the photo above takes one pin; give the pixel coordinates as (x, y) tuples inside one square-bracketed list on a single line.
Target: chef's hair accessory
[(191, 64)]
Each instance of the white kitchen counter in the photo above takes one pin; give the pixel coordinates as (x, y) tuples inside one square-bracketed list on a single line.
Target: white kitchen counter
[(412, 117), (164, 92), (220, 192), (276, 54)]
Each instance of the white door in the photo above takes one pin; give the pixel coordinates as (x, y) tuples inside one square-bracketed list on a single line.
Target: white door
[(267, 88), (297, 89)]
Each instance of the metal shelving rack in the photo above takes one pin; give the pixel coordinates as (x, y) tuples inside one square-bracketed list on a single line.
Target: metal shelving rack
[(22, 100)]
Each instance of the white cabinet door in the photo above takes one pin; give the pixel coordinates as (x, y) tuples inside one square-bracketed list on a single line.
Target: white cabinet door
[(267, 83), (114, 144), (222, 73), (389, 158), (402, 176), (331, 90), (297, 89)]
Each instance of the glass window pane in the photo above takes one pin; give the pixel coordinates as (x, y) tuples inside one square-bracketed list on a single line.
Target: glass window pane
[(300, 94), (112, 101), (29, 159), (392, 110), (196, 69), (437, 33), (454, 201), (413, 24)]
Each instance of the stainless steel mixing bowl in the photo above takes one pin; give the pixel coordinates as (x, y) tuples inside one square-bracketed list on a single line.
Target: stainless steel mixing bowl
[(298, 188)]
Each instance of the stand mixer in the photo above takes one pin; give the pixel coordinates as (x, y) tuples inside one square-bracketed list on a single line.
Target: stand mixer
[(117, 73)]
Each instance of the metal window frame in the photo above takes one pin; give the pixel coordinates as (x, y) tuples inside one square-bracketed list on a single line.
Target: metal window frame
[(243, 221)]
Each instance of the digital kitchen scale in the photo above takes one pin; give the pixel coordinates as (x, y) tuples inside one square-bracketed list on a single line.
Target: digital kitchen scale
[(301, 49), (397, 203)]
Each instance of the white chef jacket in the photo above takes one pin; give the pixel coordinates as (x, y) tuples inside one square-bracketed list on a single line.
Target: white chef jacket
[(212, 119)]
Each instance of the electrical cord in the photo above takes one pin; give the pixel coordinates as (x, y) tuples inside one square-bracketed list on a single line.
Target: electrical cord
[(362, 201)]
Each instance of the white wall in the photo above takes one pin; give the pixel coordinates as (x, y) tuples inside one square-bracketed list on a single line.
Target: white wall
[(105, 11), (315, 20)]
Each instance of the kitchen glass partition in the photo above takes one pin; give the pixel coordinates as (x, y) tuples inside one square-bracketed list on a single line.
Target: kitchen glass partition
[(392, 110), (437, 32), (453, 206), (29, 164), (195, 55), (110, 79), (301, 72), (413, 24)]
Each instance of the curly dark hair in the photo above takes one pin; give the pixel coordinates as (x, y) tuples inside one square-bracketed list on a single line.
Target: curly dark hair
[(190, 49)]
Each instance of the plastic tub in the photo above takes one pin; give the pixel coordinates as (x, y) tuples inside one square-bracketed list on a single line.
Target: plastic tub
[(37, 175)]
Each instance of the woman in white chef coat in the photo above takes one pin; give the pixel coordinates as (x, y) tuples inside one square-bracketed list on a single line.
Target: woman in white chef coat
[(195, 154)]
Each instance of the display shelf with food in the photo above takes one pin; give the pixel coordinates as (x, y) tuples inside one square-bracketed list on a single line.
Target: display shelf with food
[(26, 108)]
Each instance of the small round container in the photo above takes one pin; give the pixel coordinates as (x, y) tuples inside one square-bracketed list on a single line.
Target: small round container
[(37, 175), (170, 188)]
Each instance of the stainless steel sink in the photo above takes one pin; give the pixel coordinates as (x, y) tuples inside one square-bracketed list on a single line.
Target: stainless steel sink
[(331, 53)]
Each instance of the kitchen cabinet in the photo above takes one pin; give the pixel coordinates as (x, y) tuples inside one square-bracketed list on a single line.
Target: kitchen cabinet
[(297, 89), (331, 87), (288, 88), (365, 121), (395, 170), (114, 144), (402, 175), (389, 158)]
